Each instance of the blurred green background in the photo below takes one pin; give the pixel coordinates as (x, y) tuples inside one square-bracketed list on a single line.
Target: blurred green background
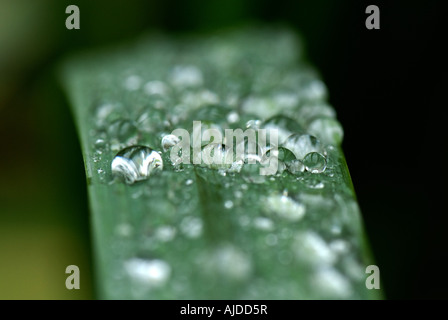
[(44, 216)]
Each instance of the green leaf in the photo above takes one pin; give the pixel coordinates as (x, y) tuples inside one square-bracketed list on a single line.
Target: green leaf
[(196, 231)]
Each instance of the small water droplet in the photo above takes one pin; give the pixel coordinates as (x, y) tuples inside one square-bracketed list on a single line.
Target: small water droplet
[(328, 129), (165, 233), (307, 112), (310, 247), (100, 144), (253, 124), (189, 182), (132, 83), (186, 76), (302, 144), (228, 204), (191, 227), (315, 162), (238, 194), (315, 184), (122, 133), (263, 223), (295, 166), (136, 163), (315, 90), (339, 246), (284, 125), (330, 282), (151, 272), (285, 207), (169, 141), (260, 106), (233, 117), (156, 88), (229, 262), (216, 156)]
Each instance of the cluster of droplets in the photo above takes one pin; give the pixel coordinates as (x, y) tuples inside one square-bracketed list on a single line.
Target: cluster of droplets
[(232, 93)]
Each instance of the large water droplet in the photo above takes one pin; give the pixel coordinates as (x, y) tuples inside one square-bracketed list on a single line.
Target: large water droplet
[(302, 144), (328, 129), (315, 162), (136, 163)]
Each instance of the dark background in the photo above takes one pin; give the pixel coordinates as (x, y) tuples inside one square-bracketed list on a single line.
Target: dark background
[(384, 84)]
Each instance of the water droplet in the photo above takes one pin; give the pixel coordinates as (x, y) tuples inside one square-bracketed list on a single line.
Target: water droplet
[(233, 117), (286, 100), (315, 90), (307, 112), (330, 282), (165, 233), (108, 112), (169, 141), (136, 163), (251, 173), (260, 106), (263, 223), (191, 227), (132, 83), (229, 262), (309, 246), (228, 204), (100, 144), (122, 133), (284, 125), (315, 162), (216, 156), (302, 144), (315, 184), (238, 194), (189, 182), (295, 166), (253, 124), (339, 246), (156, 88), (186, 76), (151, 272), (284, 207), (328, 129)]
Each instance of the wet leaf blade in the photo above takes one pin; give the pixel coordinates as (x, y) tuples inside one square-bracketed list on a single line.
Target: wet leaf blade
[(186, 231)]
